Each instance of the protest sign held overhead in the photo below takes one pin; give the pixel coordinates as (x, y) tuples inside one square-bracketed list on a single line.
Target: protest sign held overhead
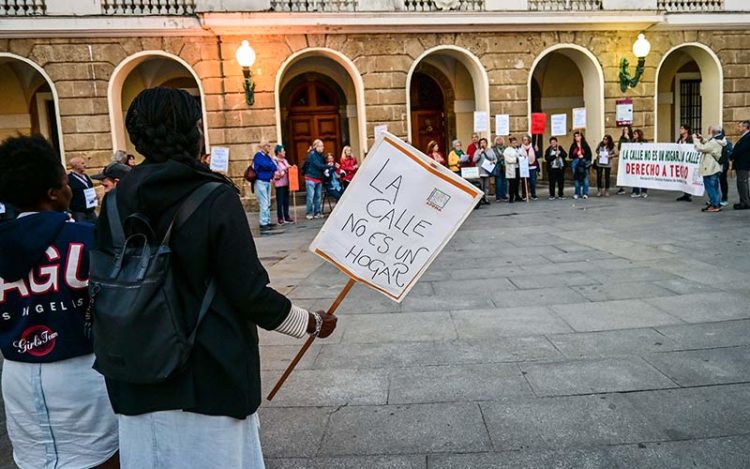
[(395, 217), (666, 166)]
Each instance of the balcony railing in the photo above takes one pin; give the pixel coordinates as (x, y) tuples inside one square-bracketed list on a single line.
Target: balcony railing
[(148, 7), (444, 5), (314, 5), (687, 6), (22, 7), (565, 5)]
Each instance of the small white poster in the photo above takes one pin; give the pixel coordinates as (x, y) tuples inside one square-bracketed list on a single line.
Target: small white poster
[(523, 167), (579, 118), (2, 208), (471, 172), (481, 121), (394, 218), (559, 124), (219, 159), (488, 166), (624, 113), (90, 195), (502, 124), (380, 130)]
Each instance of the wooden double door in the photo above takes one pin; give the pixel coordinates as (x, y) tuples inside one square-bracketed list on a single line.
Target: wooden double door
[(313, 113)]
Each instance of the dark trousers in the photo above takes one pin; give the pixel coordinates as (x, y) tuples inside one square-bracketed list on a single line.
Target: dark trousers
[(723, 183), (513, 187), (282, 203), (556, 178), (743, 187), (607, 172)]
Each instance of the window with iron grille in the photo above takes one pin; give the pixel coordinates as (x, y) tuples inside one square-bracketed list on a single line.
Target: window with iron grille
[(690, 104)]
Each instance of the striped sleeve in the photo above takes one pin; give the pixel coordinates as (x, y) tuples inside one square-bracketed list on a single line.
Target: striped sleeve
[(295, 323)]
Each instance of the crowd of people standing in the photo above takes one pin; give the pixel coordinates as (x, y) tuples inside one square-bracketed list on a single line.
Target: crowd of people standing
[(503, 163)]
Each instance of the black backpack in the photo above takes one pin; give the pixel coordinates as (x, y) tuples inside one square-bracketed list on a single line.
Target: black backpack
[(726, 153), (139, 333)]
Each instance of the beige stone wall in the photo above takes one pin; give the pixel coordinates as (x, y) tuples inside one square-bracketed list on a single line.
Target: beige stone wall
[(81, 69)]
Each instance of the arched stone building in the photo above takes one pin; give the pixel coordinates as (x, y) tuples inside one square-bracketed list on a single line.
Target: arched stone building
[(338, 74)]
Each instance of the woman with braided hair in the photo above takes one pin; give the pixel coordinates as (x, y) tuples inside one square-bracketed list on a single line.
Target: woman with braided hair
[(204, 414)]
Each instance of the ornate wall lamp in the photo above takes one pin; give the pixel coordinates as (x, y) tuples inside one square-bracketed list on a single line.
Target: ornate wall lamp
[(246, 57), (641, 48)]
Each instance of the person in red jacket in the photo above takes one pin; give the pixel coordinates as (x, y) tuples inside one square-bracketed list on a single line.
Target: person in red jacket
[(348, 165), (472, 148)]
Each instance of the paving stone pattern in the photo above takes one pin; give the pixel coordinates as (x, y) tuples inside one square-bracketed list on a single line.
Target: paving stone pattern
[(607, 333)]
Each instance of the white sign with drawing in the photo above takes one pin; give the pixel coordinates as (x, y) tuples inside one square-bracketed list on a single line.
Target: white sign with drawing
[(395, 217)]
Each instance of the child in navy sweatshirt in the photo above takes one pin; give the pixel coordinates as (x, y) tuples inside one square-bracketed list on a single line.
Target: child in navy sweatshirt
[(58, 413)]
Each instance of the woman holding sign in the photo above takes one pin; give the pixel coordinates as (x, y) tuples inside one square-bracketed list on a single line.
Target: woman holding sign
[(512, 174), (605, 153), (486, 161)]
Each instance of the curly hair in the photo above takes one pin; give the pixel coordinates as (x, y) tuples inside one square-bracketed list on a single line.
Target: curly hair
[(29, 167), (162, 124)]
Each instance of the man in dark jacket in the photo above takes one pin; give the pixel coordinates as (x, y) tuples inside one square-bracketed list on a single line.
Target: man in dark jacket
[(83, 205), (218, 391), (314, 170), (741, 162)]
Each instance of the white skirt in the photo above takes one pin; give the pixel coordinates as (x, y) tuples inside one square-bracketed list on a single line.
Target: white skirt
[(177, 439), (58, 414)]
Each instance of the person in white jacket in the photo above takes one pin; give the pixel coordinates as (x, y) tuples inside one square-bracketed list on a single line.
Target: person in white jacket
[(510, 155), (710, 168)]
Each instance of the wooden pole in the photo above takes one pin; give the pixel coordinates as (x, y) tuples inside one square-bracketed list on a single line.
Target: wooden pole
[(526, 186), (309, 341)]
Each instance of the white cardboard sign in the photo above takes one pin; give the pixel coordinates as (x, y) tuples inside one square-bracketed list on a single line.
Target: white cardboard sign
[(579, 118), (395, 217), (502, 124), (559, 124), (523, 167), (481, 121), (219, 159)]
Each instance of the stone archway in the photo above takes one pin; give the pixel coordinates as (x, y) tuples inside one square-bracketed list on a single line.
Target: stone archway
[(564, 77), (30, 101), (144, 70), (689, 90), (337, 72)]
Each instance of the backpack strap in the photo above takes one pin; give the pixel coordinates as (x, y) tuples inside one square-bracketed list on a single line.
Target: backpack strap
[(113, 218), (208, 298), (189, 207)]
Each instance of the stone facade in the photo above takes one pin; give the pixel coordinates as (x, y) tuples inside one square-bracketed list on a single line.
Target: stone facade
[(81, 68)]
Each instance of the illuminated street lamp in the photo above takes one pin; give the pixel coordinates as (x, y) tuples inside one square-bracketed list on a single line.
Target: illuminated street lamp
[(641, 48), (246, 58)]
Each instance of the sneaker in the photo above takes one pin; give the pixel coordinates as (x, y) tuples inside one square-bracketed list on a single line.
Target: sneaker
[(309, 217), (585, 196), (551, 198), (318, 216), (606, 193), (533, 197), (634, 195), (713, 209), (644, 195), (562, 197), (281, 222), (575, 196), (685, 198), (599, 194), (620, 191), (289, 220), (724, 203), (265, 227)]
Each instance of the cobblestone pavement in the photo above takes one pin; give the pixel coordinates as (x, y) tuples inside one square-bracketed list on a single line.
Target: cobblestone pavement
[(610, 332)]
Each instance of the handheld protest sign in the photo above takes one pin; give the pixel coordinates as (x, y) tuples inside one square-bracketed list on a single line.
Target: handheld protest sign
[(398, 213), (293, 178), (396, 216)]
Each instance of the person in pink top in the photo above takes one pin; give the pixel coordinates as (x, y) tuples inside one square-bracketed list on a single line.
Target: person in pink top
[(281, 182), (528, 150), (348, 165)]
